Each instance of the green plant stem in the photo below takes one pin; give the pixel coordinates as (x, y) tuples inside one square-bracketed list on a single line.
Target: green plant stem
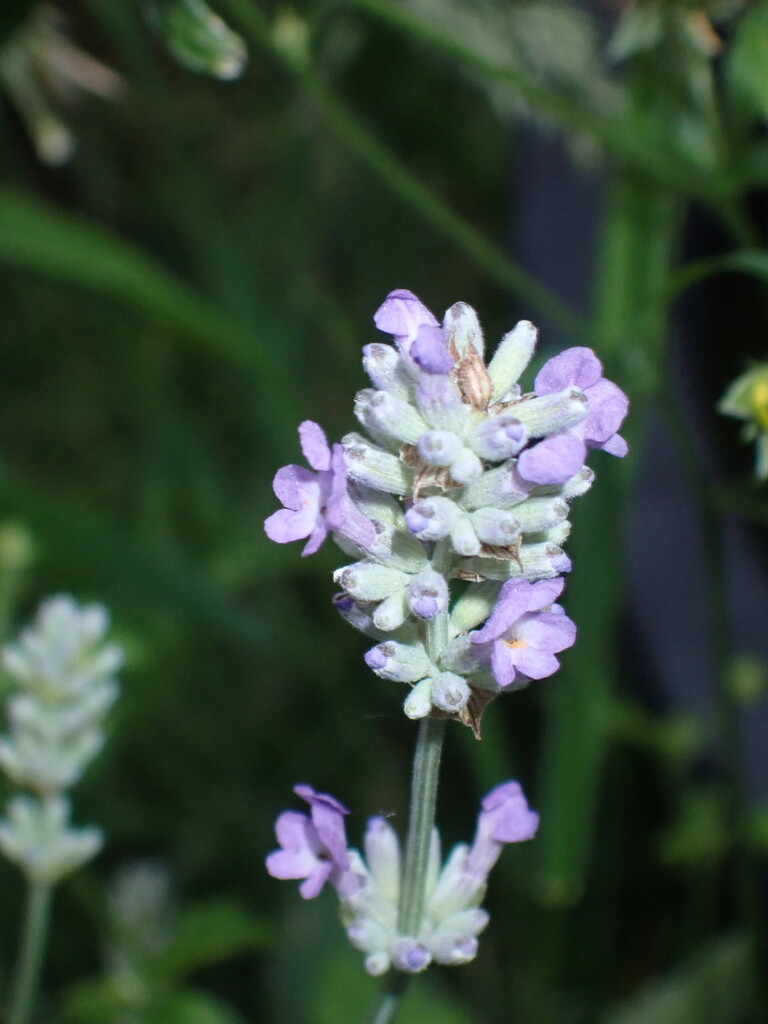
[(426, 766), (387, 1001), (31, 949)]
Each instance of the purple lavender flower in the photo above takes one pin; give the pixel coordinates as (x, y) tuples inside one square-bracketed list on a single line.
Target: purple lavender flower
[(525, 631), (402, 315), (560, 456), (313, 847), (315, 503), (505, 817)]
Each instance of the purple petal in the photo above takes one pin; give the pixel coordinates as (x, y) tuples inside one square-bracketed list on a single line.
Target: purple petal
[(314, 445), (316, 537), (544, 593), (285, 525), (315, 882), (328, 819), (504, 663), (512, 602), (295, 832), (608, 406), (536, 664), (576, 366), (548, 631), (553, 460), (401, 314), (342, 515), (294, 486), (430, 351), (507, 814), (312, 797), (290, 864), (615, 445)]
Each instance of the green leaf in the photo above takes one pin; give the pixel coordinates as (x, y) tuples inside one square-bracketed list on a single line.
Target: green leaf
[(39, 237), (207, 933), (714, 987), (747, 59), (193, 1008)]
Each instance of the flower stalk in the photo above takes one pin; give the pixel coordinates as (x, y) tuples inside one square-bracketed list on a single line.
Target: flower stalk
[(31, 950)]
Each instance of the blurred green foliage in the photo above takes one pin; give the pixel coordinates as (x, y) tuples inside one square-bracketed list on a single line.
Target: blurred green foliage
[(197, 279)]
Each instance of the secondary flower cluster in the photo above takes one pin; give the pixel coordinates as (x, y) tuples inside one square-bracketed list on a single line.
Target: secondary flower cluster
[(314, 848), (458, 476), (64, 675)]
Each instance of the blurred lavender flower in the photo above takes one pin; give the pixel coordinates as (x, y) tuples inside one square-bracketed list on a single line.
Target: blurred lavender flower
[(64, 670), (369, 886)]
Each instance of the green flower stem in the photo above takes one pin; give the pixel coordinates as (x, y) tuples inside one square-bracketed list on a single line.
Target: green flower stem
[(426, 766), (388, 1000), (32, 947)]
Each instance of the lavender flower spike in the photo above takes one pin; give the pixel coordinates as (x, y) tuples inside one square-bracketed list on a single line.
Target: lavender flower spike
[(525, 631), (313, 848), (315, 503)]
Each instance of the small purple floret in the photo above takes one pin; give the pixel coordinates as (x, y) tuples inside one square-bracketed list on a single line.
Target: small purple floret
[(607, 403), (313, 848), (553, 460), (315, 503), (430, 351), (525, 631), (401, 315), (505, 817)]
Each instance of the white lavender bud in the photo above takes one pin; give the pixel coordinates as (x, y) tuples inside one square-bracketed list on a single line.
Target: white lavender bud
[(366, 581), (450, 692), (433, 518), (464, 540), (462, 327), (439, 447), (37, 837), (473, 607), (497, 526), (541, 514), (370, 465), (499, 437), (500, 487), (551, 413), (399, 663), (392, 416), (466, 467), (385, 370), (427, 593), (392, 612), (418, 703), (511, 357)]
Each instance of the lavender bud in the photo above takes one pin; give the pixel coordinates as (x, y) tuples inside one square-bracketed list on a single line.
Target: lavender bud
[(373, 467), (541, 514), (540, 561), (473, 607), (410, 955), (578, 484), (463, 328), (360, 616), (384, 368), (382, 855), (399, 663), (392, 612), (439, 447), (464, 540), (393, 416), (501, 487), (551, 413), (428, 593), (557, 534), (432, 518), (496, 526), (440, 403), (499, 437), (418, 703), (511, 357), (397, 549), (367, 581), (450, 692), (466, 467)]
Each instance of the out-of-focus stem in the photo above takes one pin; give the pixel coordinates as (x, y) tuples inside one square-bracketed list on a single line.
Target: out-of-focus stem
[(32, 947), (388, 1000)]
